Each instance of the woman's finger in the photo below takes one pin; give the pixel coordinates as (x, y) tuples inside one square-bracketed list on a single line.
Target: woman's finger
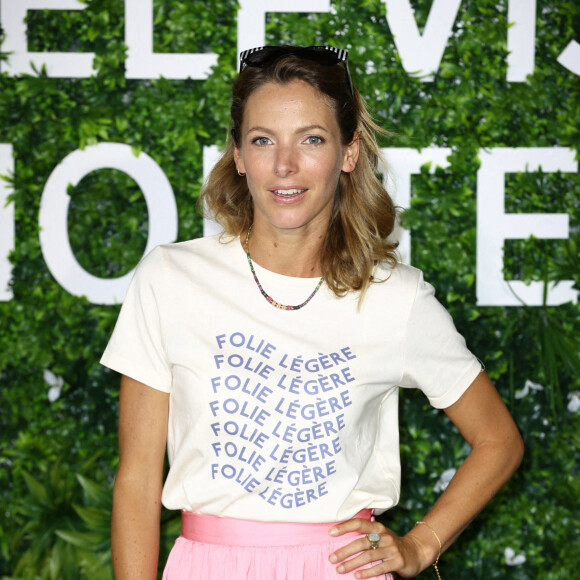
[(360, 552), (362, 543), (356, 525), (379, 569), (383, 560)]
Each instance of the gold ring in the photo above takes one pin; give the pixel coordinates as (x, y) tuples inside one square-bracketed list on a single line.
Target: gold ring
[(374, 540)]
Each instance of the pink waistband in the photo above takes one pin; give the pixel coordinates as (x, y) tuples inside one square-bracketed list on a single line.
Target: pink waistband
[(233, 532)]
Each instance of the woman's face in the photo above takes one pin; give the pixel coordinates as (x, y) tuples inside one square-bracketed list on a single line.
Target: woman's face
[(291, 152)]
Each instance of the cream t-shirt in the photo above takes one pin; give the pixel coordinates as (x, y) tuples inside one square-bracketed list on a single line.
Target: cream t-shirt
[(282, 415)]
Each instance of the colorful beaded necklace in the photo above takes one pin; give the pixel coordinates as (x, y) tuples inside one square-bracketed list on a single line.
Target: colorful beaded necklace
[(266, 296)]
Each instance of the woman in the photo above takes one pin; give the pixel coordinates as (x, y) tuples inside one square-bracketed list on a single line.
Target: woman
[(268, 360)]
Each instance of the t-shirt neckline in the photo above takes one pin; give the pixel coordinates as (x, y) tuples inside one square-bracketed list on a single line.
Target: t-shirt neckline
[(268, 276)]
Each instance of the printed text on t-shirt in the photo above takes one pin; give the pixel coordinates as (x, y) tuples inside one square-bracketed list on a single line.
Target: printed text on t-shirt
[(277, 418)]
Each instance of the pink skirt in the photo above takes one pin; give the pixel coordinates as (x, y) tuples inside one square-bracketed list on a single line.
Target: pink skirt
[(214, 548)]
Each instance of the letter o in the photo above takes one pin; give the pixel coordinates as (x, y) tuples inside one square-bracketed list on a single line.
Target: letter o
[(235, 360), (231, 428), (237, 342), (228, 471), (54, 204), (233, 382), (231, 406)]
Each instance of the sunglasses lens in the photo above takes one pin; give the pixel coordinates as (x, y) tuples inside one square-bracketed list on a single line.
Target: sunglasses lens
[(264, 56), (324, 57), (268, 54)]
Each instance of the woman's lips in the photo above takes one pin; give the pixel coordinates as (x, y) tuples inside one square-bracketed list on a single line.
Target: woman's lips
[(288, 194)]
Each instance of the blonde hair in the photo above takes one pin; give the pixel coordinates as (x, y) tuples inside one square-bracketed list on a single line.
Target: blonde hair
[(363, 215)]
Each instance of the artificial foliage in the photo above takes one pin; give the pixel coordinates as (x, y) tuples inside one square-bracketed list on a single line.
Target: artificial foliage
[(58, 454)]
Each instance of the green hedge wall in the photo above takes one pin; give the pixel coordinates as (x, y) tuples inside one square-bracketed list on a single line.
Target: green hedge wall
[(57, 459)]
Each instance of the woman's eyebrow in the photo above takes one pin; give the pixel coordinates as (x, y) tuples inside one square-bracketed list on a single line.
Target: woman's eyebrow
[(305, 129)]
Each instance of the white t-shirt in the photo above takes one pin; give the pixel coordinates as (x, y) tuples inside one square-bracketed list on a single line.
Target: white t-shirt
[(282, 415)]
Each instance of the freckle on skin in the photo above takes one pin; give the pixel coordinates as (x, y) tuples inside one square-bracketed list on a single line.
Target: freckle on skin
[(275, 244)]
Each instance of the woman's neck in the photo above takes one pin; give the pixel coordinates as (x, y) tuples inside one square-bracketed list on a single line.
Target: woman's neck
[(288, 252)]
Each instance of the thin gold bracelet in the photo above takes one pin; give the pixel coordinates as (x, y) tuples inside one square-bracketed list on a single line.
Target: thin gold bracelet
[(440, 546)]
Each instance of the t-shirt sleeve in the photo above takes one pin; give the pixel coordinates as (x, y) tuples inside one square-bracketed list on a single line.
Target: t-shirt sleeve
[(436, 358), (137, 346)]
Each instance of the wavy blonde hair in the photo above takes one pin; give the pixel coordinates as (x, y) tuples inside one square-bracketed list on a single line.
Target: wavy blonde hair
[(363, 214)]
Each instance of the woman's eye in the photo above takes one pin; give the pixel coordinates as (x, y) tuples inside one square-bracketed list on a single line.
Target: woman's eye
[(314, 140), (261, 141)]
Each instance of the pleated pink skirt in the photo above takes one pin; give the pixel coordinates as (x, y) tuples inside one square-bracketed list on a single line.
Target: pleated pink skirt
[(214, 548)]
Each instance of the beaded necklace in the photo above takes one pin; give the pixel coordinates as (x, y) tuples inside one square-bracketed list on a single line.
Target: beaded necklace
[(266, 296)]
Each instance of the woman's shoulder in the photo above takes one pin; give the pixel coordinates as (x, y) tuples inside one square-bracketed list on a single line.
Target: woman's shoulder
[(401, 275), (401, 285), (203, 245), (194, 254), (209, 246)]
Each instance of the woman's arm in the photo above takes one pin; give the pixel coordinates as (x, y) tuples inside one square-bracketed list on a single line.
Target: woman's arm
[(143, 415), (497, 450)]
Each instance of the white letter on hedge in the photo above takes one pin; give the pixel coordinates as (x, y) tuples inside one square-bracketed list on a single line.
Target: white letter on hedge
[(570, 57), (6, 222), (252, 17), (494, 225), (58, 64), (521, 38), (402, 162), (54, 240), (421, 55), (143, 63), (211, 156)]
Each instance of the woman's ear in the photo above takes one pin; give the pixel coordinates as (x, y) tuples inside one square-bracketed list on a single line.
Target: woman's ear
[(238, 161), (351, 152)]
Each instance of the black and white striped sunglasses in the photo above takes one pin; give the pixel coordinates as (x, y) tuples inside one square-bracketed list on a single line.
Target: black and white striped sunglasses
[(263, 56)]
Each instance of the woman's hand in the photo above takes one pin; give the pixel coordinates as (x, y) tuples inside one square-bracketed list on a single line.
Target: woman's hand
[(407, 556), (497, 449)]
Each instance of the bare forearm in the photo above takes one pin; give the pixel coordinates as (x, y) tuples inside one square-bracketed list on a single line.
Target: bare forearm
[(477, 480), (497, 450), (135, 531)]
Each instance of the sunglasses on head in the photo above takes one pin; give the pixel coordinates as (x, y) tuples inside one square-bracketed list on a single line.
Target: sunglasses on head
[(263, 56)]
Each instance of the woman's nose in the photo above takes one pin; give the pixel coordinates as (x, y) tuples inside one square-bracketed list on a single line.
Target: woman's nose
[(285, 162)]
